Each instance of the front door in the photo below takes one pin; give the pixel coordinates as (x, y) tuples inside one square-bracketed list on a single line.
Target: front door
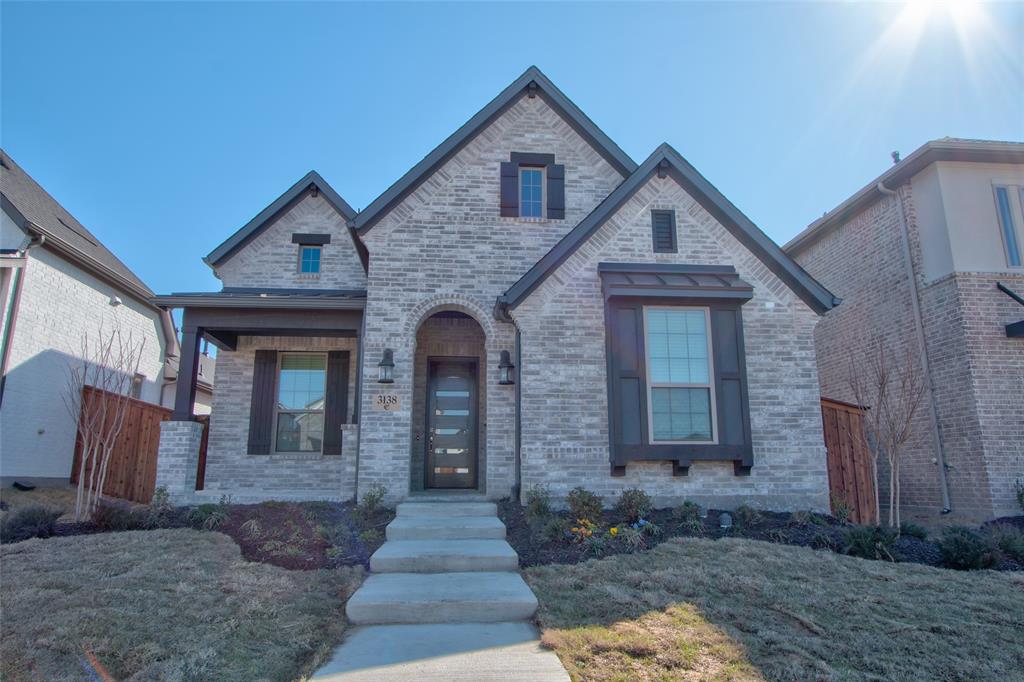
[(451, 423)]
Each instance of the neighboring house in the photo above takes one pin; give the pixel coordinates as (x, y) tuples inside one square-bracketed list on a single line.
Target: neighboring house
[(526, 306), (922, 268), (204, 383), (58, 283)]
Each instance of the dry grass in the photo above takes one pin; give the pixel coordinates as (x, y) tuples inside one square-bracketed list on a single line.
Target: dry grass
[(163, 605), (58, 497), (742, 610)]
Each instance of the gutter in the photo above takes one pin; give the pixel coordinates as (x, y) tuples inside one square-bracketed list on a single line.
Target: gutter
[(908, 265), (15, 305)]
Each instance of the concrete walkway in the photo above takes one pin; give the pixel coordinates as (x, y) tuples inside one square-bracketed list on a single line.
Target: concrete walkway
[(444, 601)]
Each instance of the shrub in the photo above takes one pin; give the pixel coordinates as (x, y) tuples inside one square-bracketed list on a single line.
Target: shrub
[(745, 516), (805, 518), (840, 509), (161, 511), (35, 521), (822, 540), (870, 542), (207, 516), (912, 530), (1009, 539), (538, 504), (555, 529), (632, 538), (688, 515), (371, 502), (966, 550), (114, 518), (584, 504), (633, 504)]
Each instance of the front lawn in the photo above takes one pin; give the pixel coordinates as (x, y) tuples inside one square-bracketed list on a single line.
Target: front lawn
[(163, 604), (733, 609)]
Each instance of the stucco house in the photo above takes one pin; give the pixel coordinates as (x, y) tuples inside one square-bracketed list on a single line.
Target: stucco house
[(58, 282), (928, 256), (526, 306)]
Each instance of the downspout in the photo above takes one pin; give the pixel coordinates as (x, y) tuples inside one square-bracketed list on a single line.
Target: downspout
[(357, 412), (517, 493), (13, 307), (908, 265)]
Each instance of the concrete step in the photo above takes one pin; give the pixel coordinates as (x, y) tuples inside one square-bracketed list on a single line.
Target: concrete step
[(443, 652), (438, 556), (435, 509), (482, 597), (446, 528)]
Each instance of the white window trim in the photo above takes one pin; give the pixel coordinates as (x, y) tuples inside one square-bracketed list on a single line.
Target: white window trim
[(320, 261), (543, 191), (1015, 202), (278, 410), (651, 385)]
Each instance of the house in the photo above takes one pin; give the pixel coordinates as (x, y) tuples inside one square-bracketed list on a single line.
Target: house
[(58, 284), (928, 256), (204, 382), (526, 306)]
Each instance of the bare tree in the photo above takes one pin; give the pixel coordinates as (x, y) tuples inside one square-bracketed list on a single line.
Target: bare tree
[(108, 362), (892, 388)]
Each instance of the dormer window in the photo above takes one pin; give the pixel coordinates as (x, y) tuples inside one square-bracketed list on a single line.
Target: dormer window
[(532, 186), (309, 260)]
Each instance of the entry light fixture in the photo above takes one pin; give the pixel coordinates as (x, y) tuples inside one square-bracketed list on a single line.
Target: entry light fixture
[(505, 369), (386, 368)]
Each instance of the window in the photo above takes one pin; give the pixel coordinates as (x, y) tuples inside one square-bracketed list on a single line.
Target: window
[(309, 260), (679, 368), (299, 422), (531, 192), (1010, 240), (136, 388), (663, 227)]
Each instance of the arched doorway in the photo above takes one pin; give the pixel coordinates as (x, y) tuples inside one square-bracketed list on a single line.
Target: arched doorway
[(448, 448)]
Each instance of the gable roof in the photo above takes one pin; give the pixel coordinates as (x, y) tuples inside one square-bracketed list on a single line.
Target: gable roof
[(35, 211), (310, 182), (945, 149), (533, 82), (666, 160)]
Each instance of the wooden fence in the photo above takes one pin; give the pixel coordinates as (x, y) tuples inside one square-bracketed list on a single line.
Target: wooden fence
[(131, 474), (849, 461)]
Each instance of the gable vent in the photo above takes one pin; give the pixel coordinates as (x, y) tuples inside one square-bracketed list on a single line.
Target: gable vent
[(663, 224)]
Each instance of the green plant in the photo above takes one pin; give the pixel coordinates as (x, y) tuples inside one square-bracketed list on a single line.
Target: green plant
[(966, 550), (804, 518), (584, 504), (840, 508), (583, 529), (594, 545), (822, 540), (1009, 539), (160, 508), (555, 529), (777, 535), (113, 518), (688, 516), (538, 504), (632, 538), (207, 516), (633, 504), (746, 516), (372, 500), (33, 521), (912, 530), (870, 542), (252, 528)]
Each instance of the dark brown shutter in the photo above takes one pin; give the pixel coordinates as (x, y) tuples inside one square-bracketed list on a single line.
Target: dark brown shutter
[(261, 411), (335, 400), (663, 227), (556, 192), (509, 189), (627, 387), (730, 378)]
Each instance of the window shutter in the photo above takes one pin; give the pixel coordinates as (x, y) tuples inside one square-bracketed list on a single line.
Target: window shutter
[(335, 400), (628, 391), (663, 227), (261, 411), (556, 192), (731, 380), (509, 189)]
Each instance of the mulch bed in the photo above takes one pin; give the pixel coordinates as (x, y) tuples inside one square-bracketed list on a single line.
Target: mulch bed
[(816, 531)]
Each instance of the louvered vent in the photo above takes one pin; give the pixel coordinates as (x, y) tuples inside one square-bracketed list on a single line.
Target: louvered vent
[(664, 228)]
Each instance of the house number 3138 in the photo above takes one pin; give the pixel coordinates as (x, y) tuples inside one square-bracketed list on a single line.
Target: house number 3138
[(386, 402)]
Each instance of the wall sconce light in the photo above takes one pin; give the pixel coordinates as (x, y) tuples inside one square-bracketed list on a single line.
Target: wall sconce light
[(505, 370), (386, 368)]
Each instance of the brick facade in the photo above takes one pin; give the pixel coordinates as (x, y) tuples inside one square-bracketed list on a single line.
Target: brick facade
[(977, 373)]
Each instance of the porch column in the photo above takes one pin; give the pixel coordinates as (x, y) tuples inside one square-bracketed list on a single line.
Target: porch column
[(188, 370), (178, 458)]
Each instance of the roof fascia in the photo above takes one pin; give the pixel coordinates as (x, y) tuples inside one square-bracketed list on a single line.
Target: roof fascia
[(547, 90)]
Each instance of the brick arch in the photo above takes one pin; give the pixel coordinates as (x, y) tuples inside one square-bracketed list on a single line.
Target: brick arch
[(441, 303)]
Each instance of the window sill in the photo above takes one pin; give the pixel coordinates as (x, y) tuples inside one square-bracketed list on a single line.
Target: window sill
[(308, 276), (521, 219)]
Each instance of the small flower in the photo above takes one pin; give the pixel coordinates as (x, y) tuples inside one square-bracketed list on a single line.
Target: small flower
[(614, 531)]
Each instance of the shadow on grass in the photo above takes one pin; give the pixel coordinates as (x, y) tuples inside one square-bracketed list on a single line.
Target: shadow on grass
[(737, 609)]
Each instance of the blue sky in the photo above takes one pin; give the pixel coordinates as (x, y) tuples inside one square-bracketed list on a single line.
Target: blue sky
[(165, 127)]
